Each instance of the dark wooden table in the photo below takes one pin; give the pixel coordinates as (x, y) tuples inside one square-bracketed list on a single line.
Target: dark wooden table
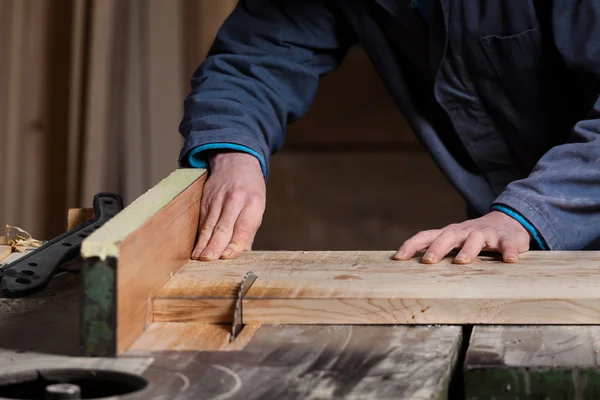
[(41, 332)]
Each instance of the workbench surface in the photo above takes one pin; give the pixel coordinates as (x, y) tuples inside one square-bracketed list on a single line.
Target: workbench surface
[(318, 362)]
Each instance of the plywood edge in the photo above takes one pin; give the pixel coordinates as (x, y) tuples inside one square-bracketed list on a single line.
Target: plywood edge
[(106, 241)]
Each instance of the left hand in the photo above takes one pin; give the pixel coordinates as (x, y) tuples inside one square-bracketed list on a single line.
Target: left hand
[(495, 231)]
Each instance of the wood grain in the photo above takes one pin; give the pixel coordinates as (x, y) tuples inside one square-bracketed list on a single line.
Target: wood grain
[(5, 251), (370, 288), (531, 362), (151, 238), (174, 336), (77, 216)]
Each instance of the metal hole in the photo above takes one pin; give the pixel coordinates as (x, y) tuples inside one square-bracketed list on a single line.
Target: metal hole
[(83, 235), (23, 281), (109, 202), (96, 226), (27, 272), (67, 244), (93, 384), (32, 264)]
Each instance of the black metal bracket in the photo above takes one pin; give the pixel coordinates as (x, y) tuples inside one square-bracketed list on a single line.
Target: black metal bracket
[(32, 272)]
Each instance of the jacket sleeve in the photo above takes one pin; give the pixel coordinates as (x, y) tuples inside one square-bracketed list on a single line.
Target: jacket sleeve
[(261, 74), (561, 197)]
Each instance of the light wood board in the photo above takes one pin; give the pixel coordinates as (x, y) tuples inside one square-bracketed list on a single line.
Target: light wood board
[(150, 239), (370, 288)]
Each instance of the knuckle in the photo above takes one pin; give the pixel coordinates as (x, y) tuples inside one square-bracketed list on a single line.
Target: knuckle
[(223, 227), (244, 226), (256, 199), (208, 226), (477, 234), (238, 196)]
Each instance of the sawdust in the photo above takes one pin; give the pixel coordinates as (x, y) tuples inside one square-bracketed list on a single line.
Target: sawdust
[(19, 239)]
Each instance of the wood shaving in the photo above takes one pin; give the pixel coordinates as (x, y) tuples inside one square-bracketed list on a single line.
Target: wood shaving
[(19, 239)]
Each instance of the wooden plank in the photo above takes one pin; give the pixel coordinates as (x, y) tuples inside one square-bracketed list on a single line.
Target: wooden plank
[(367, 200), (314, 362), (5, 251), (77, 216), (133, 255), (174, 336), (370, 288), (529, 362)]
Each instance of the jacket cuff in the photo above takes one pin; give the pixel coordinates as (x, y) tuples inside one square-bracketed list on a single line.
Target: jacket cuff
[(529, 217), (196, 158), (197, 144), (537, 237)]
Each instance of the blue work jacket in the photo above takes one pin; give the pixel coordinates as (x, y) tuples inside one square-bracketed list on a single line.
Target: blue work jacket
[(504, 94)]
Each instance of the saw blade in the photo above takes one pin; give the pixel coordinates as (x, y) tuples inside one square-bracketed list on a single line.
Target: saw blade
[(247, 281)]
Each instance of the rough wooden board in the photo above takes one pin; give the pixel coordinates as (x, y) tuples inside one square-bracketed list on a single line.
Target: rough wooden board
[(133, 255), (363, 202), (175, 336), (5, 251), (528, 362), (370, 288), (314, 362), (107, 240), (77, 216)]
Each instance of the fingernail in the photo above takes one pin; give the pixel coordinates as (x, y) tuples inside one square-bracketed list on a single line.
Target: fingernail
[(461, 258), (228, 252), (428, 257), (400, 254), (511, 258), (208, 254)]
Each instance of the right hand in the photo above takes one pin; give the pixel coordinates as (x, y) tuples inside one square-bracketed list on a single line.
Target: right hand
[(232, 206)]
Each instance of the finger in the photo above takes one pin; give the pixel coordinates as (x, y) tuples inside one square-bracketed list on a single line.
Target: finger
[(473, 245), (509, 250), (415, 244), (209, 216), (223, 230), (441, 246), (243, 232)]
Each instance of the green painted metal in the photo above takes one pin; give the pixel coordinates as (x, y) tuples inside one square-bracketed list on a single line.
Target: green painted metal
[(99, 308), (506, 383)]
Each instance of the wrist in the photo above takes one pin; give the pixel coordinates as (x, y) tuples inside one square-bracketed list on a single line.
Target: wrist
[(513, 223), (222, 158)]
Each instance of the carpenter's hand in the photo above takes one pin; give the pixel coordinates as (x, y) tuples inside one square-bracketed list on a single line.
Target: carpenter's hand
[(495, 231), (232, 206)]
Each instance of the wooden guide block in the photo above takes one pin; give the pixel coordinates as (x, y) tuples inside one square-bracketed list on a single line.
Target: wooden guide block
[(132, 256), (356, 287)]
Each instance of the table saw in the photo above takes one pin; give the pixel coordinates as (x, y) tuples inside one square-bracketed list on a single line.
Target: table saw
[(143, 321)]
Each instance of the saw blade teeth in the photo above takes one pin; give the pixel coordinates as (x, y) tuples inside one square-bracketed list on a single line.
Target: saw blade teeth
[(247, 281)]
